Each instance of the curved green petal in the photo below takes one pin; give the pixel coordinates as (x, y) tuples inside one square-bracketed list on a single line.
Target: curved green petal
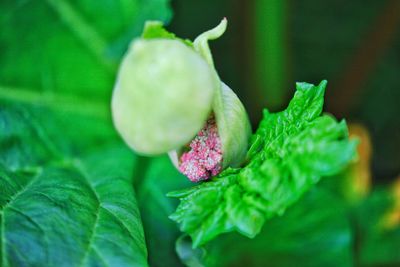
[(232, 120), (201, 42)]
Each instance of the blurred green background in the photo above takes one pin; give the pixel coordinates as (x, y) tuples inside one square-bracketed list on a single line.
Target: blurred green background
[(60, 58)]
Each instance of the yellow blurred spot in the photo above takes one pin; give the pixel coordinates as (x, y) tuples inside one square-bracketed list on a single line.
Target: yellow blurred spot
[(358, 179), (391, 219), (396, 191)]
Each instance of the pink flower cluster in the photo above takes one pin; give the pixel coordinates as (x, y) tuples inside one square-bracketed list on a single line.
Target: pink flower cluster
[(204, 159)]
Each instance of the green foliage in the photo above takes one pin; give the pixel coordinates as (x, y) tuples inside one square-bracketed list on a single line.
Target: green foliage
[(290, 152), (59, 210), (66, 185), (378, 228), (153, 179), (309, 233), (66, 194), (68, 51)]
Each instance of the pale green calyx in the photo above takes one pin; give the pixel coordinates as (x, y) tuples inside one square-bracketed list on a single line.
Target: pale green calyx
[(166, 90), (163, 95)]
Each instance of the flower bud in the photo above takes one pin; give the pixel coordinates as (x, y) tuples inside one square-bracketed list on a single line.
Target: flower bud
[(233, 126), (163, 95), (169, 98)]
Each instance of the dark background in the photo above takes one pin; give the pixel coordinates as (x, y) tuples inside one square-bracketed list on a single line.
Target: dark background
[(269, 45)]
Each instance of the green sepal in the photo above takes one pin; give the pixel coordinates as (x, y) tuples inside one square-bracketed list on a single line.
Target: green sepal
[(155, 29)]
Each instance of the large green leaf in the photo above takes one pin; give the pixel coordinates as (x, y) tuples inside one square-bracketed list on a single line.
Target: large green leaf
[(65, 53), (59, 210), (66, 193)]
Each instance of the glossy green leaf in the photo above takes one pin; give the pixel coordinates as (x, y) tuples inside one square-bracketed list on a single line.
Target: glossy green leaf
[(66, 193), (290, 152), (58, 210)]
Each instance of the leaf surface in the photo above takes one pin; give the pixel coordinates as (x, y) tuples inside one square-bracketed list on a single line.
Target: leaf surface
[(290, 152), (66, 187), (65, 211), (65, 53), (310, 233)]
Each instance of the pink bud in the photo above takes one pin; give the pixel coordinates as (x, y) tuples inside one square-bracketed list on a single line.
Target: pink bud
[(204, 159)]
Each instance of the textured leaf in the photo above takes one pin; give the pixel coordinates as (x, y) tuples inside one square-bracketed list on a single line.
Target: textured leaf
[(64, 211), (290, 152), (309, 234), (66, 195)]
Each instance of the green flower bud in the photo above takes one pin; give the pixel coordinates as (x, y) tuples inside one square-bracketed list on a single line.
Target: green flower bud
[(163, 95), (167, 92)]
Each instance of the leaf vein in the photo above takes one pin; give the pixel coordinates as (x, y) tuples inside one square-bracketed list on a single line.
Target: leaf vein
[(95, 250), (79, 167), (3, 241), (75, 105), (21, 191), (122, 224)]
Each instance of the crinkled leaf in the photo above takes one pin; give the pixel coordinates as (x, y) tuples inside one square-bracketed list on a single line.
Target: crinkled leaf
[(284, 241), (290, 152)]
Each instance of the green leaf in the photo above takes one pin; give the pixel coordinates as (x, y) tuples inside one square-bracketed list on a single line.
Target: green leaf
[(68, 51), (305, 106), (66, 193), (290, 152), (189, 256), (309, 233), (153, 179), (64, 211), (379, 228)]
